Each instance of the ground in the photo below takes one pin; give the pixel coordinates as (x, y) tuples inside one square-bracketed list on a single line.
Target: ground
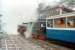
[(16, 42)]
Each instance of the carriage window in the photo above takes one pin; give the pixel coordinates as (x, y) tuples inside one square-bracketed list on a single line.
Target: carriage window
[(71, 22), (50, 23), (60, 23)]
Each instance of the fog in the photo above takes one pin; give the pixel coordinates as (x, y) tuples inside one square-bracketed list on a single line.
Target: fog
[(17, 11)]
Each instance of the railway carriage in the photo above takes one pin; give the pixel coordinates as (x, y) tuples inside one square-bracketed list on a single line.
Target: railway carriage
[(61, 27)]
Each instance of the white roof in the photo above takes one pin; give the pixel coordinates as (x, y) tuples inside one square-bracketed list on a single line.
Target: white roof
[(62, 15)]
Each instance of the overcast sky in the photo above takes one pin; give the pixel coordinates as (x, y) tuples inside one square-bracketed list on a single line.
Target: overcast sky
[(17, 11)]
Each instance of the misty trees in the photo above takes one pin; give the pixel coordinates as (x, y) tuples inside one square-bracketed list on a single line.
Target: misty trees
[(42, 7), (68, 3)]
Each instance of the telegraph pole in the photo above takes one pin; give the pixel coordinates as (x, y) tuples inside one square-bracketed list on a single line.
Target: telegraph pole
[(0, 23), (0, 31)]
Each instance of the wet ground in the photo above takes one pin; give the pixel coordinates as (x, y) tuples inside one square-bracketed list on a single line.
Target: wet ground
[(16, 42)]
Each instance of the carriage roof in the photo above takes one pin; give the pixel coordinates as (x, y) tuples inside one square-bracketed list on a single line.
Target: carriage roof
[(61, 15)]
